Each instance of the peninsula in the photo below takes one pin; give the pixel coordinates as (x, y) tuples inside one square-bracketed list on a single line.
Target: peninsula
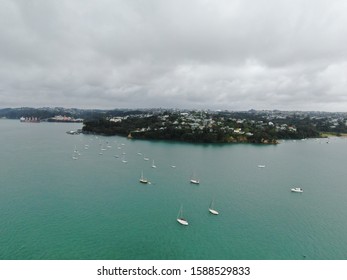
[(201, 126), (263, 127)]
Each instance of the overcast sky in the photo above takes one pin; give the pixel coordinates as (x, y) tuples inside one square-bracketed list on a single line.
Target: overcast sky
[(210, 54)]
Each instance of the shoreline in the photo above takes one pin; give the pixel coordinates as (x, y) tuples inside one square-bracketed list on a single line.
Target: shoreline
[(264, 142)]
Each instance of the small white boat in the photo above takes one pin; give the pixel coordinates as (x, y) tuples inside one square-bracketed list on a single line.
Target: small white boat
[(153, 165), (261, 166), (180, 218), (75, 153), (182, 221), (195, 181), (142, 179), (124, 160), (298, 190), (212, 210)]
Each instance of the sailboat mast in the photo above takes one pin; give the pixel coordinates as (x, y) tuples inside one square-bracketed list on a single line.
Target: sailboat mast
[(180, 212)]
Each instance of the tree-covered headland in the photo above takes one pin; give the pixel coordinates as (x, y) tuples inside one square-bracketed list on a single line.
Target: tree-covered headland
[(266, 127), (197, 126)]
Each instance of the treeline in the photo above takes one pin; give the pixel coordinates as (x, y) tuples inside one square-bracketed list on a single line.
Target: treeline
[(108, 128), (152, 128)]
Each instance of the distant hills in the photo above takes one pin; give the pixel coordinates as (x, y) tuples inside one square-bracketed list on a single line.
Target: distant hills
[(48, 112)]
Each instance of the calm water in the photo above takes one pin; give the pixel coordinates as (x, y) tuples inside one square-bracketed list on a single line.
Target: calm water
[(54, 207)]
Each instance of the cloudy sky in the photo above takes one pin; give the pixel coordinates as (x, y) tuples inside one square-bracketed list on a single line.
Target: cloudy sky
[(211, 54)]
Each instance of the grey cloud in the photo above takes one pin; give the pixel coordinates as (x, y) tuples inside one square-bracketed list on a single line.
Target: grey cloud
[(224, 54)]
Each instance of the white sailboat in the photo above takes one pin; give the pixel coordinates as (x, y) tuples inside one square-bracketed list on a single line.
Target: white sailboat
[(75, 154), (124, 160), (142, 179), (180, 218), (211, 209), (153, 165), (194, 180)]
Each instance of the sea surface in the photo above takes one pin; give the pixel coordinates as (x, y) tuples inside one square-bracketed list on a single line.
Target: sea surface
[(55, 207)]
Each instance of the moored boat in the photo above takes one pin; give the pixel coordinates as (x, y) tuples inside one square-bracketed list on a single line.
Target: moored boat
[(143, 180), (180, 218), (297, 189), (212, 210), (194, 180), (29, 119)]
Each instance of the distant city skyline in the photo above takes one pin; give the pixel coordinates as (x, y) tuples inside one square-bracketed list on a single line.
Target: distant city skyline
[(225, 54)]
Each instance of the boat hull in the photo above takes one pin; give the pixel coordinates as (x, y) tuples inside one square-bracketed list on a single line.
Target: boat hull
[(214, 212), (297, 190), (182, 222), (142, 181)]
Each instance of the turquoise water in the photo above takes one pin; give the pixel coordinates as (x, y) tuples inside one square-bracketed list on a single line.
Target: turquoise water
[(54, 207)]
